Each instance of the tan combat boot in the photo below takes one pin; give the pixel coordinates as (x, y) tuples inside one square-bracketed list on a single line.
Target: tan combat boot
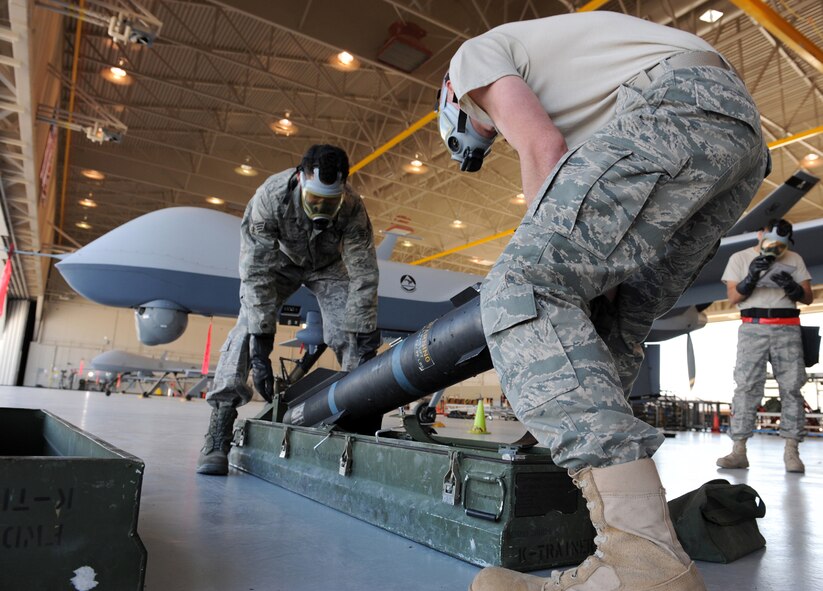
[(736, 459), (214, 457), (637, 548), (791, 457)]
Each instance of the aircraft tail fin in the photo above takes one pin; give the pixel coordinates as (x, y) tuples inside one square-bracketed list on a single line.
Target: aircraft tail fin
[(776, 204), (390, 237)]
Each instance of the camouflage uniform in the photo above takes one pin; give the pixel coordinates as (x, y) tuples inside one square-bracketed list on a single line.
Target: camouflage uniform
[(639, 206), (782, 346), (279, 252)]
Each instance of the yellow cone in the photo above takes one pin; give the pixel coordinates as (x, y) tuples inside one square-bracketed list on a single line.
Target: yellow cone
[(479, 420)]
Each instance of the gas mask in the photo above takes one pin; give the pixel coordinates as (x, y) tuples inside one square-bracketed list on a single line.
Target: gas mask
[(320, 201), (773, 244), (467, 146)]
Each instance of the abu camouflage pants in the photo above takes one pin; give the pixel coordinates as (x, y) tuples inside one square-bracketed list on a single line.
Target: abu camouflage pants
[(635, 212), (782, 346), (331, 290)]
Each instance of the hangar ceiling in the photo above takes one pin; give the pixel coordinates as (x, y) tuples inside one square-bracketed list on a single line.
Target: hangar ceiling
[(208, 95)]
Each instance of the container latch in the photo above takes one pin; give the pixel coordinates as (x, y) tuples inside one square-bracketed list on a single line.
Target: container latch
[(285, 446), (346, 459), (451, 481)]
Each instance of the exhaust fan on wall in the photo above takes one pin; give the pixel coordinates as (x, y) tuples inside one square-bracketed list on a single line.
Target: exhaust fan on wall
[(403, 49)]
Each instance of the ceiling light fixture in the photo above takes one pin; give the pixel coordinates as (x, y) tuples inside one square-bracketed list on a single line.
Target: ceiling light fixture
[(811, 160), (215, 200), (88, 202), (457, 224), (117, 74), (246, 169), (519, 199), (92, 174), (344, 61), (84, 225), (284, 126), (415, 166), (406, 243), (711, 16)]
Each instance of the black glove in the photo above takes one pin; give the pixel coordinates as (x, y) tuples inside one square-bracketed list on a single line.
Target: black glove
[(260, 347), (367, 345), (792, 288), (757, 267)]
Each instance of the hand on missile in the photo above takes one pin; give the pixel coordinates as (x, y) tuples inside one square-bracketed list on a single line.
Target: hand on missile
[(792, 288), (367, 345), (757, 267), (260, 347)]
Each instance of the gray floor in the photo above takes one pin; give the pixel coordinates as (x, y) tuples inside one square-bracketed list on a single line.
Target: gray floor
[(242, 534)]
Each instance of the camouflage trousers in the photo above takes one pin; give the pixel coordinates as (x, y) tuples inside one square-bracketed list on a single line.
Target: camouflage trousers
[(633, 212), (782, 346), (331, 290)]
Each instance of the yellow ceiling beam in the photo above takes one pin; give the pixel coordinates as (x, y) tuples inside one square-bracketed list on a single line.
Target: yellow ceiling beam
[(422, 122), (803, 135), (593, 5), (779, 143), (464, 246), (775, 24)]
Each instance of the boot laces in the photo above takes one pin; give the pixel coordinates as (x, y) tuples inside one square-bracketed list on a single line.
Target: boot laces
[(556, 576), (219, 423)]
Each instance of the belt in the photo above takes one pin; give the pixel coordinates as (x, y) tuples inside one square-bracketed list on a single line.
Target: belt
[(688, 59), (783, 321), (770, 313)]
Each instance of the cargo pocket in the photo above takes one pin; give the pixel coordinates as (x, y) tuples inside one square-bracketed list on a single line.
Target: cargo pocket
[(507, 306), (535, 367), (613, 194)]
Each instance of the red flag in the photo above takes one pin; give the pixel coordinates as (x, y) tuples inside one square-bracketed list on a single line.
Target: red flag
[(207, 353), (4, 283)]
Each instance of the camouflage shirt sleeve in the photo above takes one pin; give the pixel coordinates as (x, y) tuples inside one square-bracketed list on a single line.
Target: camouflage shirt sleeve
[(258, 256), (361, 263)]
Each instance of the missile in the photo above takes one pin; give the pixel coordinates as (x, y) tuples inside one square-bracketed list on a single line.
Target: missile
[(444, 352)]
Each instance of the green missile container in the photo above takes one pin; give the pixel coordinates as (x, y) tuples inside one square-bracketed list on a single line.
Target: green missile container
[(482, 502), (68, 507)]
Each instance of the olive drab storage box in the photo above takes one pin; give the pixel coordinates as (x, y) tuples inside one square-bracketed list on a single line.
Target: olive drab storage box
[(482, 502), (68, 507)]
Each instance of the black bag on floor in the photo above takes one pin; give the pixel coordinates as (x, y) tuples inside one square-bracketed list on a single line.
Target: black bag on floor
[(718, 521), (811, 344)]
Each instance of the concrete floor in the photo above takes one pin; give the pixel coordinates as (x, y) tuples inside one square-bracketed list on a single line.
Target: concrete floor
[(243, 534)]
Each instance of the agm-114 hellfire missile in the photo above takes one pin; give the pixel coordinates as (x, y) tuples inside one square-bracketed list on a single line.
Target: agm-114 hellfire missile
[(443, 353)]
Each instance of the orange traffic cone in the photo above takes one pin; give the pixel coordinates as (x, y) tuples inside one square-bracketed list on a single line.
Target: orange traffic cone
[(716, 423), (479, 420)]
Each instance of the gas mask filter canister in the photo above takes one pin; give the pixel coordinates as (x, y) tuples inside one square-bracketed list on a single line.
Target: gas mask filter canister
[(320, 201), (467, 146)]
